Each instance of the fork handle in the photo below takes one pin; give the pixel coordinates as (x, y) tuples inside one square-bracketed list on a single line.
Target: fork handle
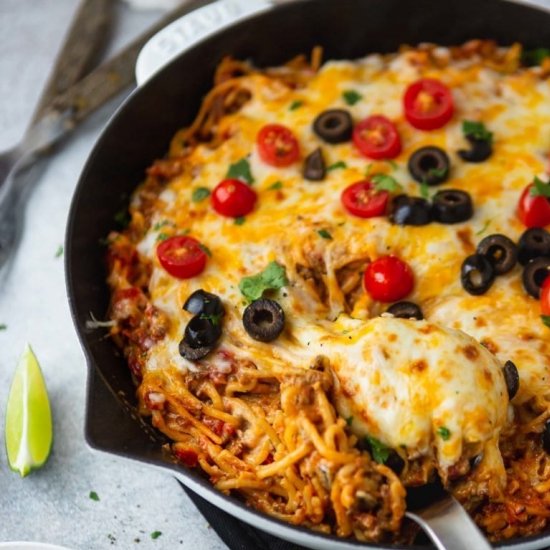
[(450, 527)]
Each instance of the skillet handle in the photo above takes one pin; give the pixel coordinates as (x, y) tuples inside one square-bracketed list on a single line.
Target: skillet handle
[(183, 33), (450, 527)]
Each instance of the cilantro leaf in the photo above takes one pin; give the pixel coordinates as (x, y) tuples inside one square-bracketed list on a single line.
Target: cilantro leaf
[(277, 185), (438, 172), (444, 433), (239, 220), (535, 57), (122, 218), (214, 318), (351, 97), (295, 105), (393, 164), (368, 169), (156, 534), (383, 182), (336, 166), (3, 326), (206, 250), (94, 496), (540, 189), (199, 194), (241, 170), (424, 190), (273, 277), (59, 251), (349, 420), (476, 130), (544, 318), (325, 234), (484, 228), (380, 452), (162, 237)]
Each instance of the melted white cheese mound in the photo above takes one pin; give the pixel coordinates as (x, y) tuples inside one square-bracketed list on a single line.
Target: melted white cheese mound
[(419, 386)]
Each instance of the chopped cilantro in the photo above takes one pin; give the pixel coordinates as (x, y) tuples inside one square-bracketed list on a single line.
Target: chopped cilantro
[(438, 172), (161, 224), (325, 234), (535, 57), (162, 236), (368, 170), (277, 185), (122, 218), (349, 420), (351, 97), (337, 165), (544, 318), (383, 182), (540, 188), (205, 249), (444, 433), (484, 228), (273, 277), (240, 220), (295, 105), (59, 251), (424, 190), (156, 534), (94, 496), (476, 130), (393, 164), (380, 452), (213, 318), (199, 194), (241, 171), (3, 326)]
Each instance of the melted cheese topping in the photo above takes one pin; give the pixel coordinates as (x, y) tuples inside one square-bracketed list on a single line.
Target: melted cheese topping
[(402, 381)]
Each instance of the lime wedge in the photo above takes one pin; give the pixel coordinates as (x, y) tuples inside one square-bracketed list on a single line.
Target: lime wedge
[(28, 417)]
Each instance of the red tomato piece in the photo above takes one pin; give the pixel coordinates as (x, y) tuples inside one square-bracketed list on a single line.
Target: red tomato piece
[(182, 256), (388, 279), (428, 104), (233, 198), (277, 145), (545, 297), (376, 137), (533, 211), (188, 456), (363, 200)]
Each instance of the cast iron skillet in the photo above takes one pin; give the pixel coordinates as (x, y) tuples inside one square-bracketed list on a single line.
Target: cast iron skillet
[(141, 130)]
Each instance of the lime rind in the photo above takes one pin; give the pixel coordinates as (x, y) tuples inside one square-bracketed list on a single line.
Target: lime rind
[(28, 429)]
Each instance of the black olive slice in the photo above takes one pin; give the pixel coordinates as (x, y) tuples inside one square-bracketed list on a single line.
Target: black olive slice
[(534, 242), (264, 320), (480, 150), (202, 331), (512, 378), (534, 274), (408, 210), (501, 251), (452, 206), (314, 166), (201, 301), (477, 274), (406, 310), (334, 126), (429, 165), (546, 437), (193, 354)]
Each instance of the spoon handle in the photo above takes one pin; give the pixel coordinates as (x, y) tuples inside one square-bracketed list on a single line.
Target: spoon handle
[(449, 526)]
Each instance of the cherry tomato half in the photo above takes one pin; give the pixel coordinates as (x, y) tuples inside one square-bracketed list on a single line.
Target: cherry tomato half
[(545, 297), (363, 200), (182, 256), (388, 279), (277, 145), (428, 104), (376, 137), (533, 211), (233, 198)]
